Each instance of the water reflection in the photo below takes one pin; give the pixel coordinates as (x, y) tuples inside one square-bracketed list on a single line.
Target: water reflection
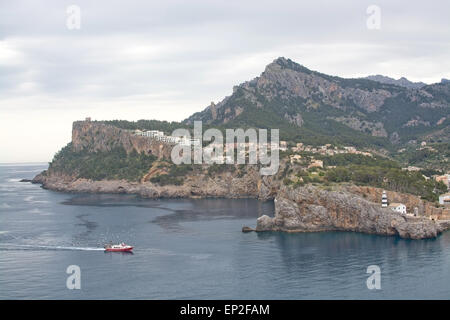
[(178, 211)]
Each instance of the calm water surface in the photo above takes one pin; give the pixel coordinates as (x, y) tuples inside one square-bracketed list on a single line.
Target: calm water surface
[(193, 249)]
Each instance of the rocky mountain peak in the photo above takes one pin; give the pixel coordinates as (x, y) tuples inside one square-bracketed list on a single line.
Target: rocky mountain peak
[(303, 102), (282, 64), (281, 61)]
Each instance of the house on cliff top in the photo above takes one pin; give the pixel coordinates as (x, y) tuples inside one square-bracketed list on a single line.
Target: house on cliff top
[(444, 199), (397, 207)]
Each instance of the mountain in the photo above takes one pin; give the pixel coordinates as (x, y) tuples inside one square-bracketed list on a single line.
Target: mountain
[(403, 82), (316, 108)]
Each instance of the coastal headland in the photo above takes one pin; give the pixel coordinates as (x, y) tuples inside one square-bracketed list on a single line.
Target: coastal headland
[(306, 208)]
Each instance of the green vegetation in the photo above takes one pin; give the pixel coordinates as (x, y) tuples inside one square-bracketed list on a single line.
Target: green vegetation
[(215, 169), (345, 159), (368, 171), (165, 179), (175, 175), (436, 158), (316, 130), (111, 165), (388, 178)]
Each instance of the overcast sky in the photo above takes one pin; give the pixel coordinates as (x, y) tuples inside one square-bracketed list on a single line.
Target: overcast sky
[(168, 59)]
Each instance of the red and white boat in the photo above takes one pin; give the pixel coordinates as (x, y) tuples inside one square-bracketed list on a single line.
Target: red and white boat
[(118, 247)]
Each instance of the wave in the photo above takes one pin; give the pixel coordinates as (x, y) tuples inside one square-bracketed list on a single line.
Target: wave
[(30, 199), (11, 246)]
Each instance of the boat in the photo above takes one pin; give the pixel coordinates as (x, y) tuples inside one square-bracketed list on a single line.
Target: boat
[(118, 247)]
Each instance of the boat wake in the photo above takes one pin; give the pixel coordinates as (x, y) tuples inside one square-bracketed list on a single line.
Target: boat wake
[(10, 246)]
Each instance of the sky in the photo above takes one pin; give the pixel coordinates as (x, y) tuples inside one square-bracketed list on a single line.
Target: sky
[(168, 59)]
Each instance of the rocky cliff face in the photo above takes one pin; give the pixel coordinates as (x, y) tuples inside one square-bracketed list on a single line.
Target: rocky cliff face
[(289, 93), (424, 208), (309, 209), (288, 81), (96, 136), (223, 185)]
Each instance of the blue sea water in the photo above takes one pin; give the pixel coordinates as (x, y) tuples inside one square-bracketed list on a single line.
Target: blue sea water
[(194, 249)]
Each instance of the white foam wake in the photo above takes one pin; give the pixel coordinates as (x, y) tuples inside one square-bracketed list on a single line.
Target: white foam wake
[(36, 247)]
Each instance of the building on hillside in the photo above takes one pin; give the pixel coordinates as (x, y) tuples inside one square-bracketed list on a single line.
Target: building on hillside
[(189, 141), (283, 145), (384, 200), (295, 158), (444, 178), (350, 149), (397, 207), (149, 133), (171, 139), (155, 133), (444, 199), (316, 164), (367, 154), (412, 168)]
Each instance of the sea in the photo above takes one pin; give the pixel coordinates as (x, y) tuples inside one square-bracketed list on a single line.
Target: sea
[(51, 247)]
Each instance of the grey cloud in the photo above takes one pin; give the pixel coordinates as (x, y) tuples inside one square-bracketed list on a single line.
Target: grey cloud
[(183, 54)]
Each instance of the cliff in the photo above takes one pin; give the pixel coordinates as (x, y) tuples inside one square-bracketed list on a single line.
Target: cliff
[(95, 136), (309, 209), (196, 185), (424, 208)]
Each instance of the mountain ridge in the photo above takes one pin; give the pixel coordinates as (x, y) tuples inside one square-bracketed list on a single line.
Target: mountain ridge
[(403, 82), (308, 104)]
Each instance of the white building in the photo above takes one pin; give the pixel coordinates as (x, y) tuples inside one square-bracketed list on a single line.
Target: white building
[(149, 133), (398, 207), (159, 135), (444, 199), (184, 141), (154, 133)]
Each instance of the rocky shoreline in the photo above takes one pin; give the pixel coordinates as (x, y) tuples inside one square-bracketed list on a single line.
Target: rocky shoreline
[(302, 209), (225, 185), (309, 209)]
